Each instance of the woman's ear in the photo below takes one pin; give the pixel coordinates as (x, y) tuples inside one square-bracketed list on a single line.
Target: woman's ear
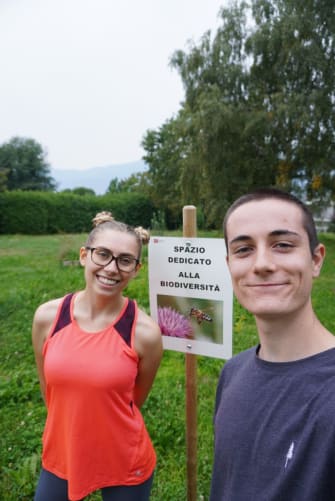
[(82, 255), (137, 269)]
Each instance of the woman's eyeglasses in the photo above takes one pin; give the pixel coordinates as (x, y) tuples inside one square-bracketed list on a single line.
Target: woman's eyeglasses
[(102, 257)]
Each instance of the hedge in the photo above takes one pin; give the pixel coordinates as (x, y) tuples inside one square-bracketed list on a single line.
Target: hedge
[(37, 213)]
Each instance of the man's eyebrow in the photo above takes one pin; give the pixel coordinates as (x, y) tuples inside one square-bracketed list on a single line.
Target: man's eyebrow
[(279, 233), (240, 238), (274, 233)]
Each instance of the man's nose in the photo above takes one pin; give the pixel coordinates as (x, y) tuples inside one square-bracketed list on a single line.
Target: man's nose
[(263, 259)]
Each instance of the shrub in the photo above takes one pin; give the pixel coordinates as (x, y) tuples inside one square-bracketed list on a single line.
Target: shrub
[(36, 213)]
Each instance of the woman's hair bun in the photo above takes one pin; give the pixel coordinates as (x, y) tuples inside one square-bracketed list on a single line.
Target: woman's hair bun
[(143, 234), (102, 217)]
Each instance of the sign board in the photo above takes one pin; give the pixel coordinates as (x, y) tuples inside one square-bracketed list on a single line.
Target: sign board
[(191, 294)]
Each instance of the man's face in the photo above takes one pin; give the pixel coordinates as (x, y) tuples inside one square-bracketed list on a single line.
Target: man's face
[(269, 258)]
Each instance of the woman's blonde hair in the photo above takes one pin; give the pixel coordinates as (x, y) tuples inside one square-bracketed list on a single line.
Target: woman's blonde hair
[(105, 221)]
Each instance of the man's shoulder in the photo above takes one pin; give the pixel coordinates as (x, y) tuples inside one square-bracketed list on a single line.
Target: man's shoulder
[(239, 364), (242, 357)]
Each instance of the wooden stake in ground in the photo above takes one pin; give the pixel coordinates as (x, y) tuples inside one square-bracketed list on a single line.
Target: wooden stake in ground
[(190, 230)]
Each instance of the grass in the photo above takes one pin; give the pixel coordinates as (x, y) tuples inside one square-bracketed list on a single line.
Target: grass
[(31, 272)]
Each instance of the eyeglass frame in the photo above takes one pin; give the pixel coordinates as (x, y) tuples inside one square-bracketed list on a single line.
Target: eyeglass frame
[(113, 258)]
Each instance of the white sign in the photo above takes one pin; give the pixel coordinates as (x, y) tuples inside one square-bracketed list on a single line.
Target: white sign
[(191, 294)]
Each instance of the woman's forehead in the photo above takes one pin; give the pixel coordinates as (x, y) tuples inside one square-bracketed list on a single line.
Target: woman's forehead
[(115, 238)]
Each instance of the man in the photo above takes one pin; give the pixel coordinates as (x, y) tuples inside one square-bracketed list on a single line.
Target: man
[(275, 405)]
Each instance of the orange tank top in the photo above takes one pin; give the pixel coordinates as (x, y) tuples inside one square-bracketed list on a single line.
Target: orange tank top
[(94, 435)]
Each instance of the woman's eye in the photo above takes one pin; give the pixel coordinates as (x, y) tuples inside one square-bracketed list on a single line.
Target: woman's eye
[(103, 253), (125, 260)]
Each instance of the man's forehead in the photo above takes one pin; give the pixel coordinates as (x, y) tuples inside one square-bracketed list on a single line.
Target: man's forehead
[(268, 215), (281, 208)]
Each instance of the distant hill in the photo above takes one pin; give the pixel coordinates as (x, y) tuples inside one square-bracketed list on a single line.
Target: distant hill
[(96, 178)]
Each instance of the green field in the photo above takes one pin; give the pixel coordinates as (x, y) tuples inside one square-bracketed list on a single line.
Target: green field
[(31, 272)]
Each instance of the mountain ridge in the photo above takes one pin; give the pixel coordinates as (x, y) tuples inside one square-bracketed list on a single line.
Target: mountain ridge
[(95, 178)]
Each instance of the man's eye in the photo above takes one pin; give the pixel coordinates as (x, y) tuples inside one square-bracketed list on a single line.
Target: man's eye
[(242, 250), (283, 245)]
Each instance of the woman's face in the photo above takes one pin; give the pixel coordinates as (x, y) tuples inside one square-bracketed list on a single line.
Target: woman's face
[(109, 279)]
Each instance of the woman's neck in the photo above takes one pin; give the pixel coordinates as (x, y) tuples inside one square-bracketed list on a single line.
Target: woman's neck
[(94, 314)]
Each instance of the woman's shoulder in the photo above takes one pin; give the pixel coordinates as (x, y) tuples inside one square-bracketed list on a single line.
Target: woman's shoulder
[(47, 311), (144, 321), (147, 332), (44, 317)]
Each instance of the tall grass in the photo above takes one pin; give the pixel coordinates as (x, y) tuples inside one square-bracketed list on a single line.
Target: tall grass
[(31, 272)]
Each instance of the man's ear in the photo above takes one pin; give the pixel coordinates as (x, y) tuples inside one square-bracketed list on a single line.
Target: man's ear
[(318, 257)]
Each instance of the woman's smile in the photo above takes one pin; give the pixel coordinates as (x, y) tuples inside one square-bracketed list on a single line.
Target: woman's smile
[(107, 280)]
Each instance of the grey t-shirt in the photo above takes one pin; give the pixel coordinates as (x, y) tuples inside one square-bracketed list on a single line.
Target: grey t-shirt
[(275, 430)]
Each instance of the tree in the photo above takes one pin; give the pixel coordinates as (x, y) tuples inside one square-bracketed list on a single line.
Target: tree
[(114, 186), (82, 190), (259, 108), (293, 50), (3, 178), (216, 146), (224, 132), (137, 182), (24, 167), (165, 150)]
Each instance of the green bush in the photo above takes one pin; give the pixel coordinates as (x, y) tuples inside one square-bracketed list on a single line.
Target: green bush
[(39, 213), (23, 212)]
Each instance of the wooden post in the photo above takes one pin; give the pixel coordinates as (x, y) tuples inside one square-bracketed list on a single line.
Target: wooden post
[(190, 230)]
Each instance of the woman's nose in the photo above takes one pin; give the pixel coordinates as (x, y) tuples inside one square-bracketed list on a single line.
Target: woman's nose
[(112, 266)]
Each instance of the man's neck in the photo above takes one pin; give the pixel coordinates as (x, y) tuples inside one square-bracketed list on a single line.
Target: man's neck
[(287, 339)]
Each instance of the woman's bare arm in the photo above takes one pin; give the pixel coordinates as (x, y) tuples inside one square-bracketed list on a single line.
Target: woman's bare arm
[(148, 344), (43, 319)]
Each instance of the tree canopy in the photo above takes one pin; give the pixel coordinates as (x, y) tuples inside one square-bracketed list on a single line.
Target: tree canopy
[(259, 109), (137, 182), (23, 166), (80, 190)]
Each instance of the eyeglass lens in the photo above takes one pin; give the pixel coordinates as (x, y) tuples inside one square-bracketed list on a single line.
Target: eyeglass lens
[(103, 257)]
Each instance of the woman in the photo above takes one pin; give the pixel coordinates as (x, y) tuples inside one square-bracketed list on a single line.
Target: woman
[(97, 355)]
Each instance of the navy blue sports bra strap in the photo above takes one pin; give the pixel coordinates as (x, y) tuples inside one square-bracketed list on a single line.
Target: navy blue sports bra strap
[(125, 324), (64, 317)]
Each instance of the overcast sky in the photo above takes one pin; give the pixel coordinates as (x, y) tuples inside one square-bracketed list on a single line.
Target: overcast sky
[(87, 78)]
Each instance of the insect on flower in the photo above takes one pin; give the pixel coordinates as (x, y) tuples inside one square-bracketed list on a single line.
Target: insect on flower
[(199, 315)]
